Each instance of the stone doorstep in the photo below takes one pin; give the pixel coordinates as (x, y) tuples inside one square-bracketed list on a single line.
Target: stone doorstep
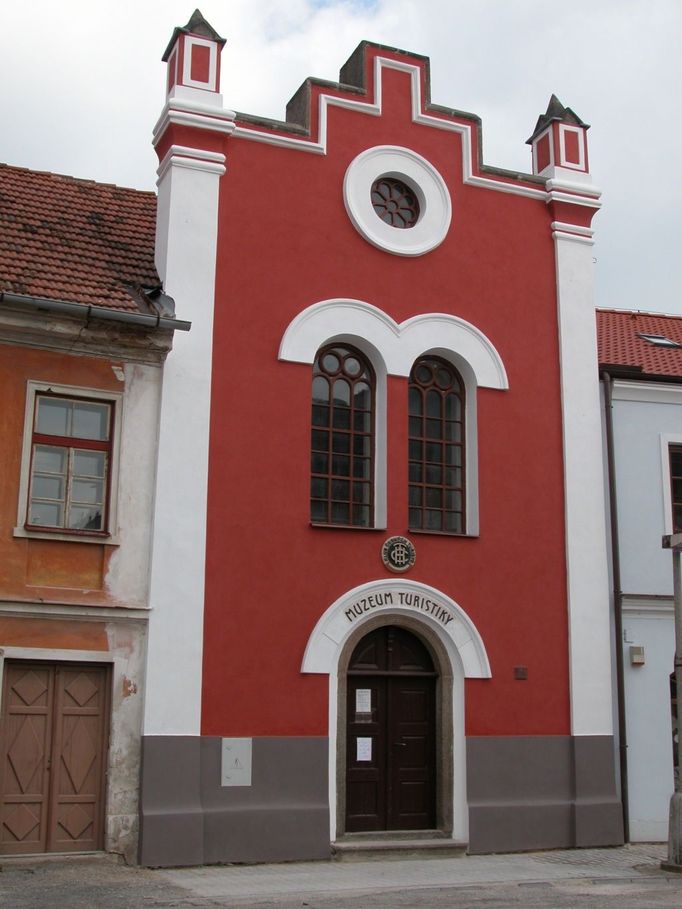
[(395, 845), (33, 858)]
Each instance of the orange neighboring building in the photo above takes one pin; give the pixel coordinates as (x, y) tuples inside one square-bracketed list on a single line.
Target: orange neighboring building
[(84, 331)]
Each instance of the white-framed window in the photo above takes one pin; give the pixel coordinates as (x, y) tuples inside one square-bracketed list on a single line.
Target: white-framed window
[(670, 444), (676, 486), (69, 470)]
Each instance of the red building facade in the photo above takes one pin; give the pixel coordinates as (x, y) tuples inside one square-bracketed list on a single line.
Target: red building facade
[(379, 578)]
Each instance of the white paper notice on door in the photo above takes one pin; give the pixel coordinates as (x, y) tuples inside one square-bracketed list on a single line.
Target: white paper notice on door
[(364, 749), (363, 700)]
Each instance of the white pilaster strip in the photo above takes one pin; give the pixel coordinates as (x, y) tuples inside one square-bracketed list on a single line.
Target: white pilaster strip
[(586, 558), (187, 227)]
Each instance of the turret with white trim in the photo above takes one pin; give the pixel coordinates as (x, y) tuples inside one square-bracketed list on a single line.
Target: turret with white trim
[(193, 58), (190, 132), (559, 144)]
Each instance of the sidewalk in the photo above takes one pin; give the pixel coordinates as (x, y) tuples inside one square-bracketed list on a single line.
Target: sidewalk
[(624, 877), (261, 882)]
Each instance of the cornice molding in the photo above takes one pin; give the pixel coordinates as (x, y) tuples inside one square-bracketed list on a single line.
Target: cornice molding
[(56, 610), (199, 116), (191, 159), (647, 392), (572, 189), (573, 229), (111, 340), (654, 606)]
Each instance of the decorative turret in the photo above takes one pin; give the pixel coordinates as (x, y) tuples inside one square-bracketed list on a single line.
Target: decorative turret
[(193, 120), (193, 57), (559, 144)]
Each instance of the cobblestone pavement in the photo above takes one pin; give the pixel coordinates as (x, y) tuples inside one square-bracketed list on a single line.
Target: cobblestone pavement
[(627, 878)]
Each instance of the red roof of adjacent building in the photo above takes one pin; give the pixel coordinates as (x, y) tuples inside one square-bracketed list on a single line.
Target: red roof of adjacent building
[(75, 240), (621, 345)]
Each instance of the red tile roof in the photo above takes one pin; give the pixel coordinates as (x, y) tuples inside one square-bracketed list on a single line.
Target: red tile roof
[(75, 240), (620, 345)]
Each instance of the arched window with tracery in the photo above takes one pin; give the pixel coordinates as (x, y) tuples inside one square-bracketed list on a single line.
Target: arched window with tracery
[(436, 447), (342, 439)]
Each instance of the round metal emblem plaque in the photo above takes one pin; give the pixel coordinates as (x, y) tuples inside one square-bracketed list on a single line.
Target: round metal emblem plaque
[(398, 554)]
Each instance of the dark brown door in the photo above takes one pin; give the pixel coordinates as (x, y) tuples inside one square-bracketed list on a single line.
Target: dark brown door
[(390, 754), (53, 744)]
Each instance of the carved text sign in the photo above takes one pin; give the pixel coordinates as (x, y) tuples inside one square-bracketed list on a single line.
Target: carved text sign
[(389, 598)]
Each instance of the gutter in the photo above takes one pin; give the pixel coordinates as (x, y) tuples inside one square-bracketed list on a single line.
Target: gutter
[(607, 380), (94, 312)]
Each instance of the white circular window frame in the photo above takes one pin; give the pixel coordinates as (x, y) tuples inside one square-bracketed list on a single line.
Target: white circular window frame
[(435, 208)]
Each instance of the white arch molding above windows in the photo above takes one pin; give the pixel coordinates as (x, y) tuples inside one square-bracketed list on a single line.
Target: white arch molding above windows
[(398, 344), (393, 348)]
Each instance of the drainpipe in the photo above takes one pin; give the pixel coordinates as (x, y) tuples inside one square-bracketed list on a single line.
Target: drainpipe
[(674, 863), (94, 312), (617, 602)]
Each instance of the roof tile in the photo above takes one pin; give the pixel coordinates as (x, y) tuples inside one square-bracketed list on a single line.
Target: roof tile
[(76, 240), (620, 344)]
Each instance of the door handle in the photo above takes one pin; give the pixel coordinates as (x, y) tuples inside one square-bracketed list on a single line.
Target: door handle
[(402, 744)]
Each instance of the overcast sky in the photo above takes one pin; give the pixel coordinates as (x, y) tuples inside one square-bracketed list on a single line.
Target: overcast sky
[(81, 86)]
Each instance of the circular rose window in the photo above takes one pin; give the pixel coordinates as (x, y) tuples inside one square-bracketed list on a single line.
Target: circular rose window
[(397, 200), (395, 203)]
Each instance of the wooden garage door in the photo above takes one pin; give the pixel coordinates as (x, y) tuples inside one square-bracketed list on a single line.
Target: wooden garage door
[(53, 745)]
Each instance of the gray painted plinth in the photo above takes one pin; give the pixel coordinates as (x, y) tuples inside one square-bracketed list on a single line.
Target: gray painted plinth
[(524, 793), (542, 792), (188, 818)]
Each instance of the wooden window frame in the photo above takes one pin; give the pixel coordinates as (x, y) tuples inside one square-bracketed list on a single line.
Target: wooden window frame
[(395, 202), (363, 482), (675, 473), (453, 448), (36, 391)]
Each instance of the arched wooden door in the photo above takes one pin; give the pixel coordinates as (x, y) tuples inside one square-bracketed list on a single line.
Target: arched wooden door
[(391, 734)]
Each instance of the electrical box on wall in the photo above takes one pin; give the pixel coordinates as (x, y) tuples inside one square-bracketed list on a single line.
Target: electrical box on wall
[(637, 655), (235, 769)]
